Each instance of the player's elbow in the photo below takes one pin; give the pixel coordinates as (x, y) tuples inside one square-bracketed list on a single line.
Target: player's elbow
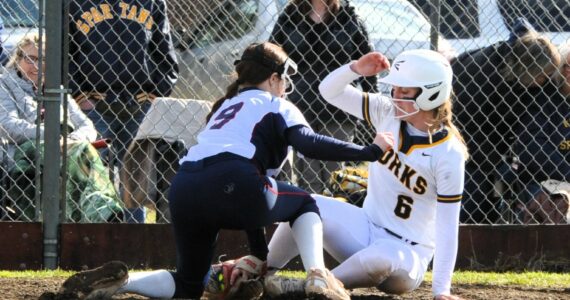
[(327, 92)]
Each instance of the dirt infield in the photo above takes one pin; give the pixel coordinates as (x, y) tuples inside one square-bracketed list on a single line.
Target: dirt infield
[(27, 289)]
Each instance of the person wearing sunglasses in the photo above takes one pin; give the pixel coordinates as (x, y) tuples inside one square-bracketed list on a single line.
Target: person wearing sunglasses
[(91, 196)]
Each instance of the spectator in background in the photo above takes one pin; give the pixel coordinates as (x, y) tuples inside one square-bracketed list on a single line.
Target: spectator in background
[(497, 89), (548, 200), (540, 147), (121, 58), (321, 35), (91, 195), (3, 55)]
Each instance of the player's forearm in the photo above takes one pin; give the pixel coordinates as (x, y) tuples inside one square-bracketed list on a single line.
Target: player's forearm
[(447, 230), (336, 89), (323, 147)]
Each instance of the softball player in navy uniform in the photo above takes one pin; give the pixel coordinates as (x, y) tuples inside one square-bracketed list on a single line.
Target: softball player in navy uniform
[(223, 181), (410, 214)]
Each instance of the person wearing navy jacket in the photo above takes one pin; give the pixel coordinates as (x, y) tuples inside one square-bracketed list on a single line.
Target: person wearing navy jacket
[(494, 89), (121, 57)]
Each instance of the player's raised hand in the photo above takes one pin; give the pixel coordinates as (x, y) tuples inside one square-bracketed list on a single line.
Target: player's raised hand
[(370, 64), (385, 140)]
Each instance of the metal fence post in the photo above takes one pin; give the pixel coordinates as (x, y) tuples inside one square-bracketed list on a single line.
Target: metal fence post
[(434, 18), (53, 95)]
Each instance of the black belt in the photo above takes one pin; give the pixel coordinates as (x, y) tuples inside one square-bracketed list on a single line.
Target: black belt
[(400, 237)]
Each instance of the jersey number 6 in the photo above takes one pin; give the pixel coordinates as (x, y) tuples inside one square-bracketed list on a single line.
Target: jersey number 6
[(404, 206), (226, 115)]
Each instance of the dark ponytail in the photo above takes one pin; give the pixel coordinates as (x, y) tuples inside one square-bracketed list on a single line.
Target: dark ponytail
[(254, 67), (231, 92)]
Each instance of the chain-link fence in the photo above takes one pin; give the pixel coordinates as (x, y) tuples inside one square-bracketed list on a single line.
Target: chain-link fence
[(134, 69)]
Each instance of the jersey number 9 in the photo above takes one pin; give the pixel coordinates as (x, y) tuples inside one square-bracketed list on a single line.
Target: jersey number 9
[(226, 115)]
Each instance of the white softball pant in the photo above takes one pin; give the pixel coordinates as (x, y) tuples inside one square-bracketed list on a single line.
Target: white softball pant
[(368, 255)]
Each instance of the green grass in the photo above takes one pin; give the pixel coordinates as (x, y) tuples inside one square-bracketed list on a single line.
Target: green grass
[(35, 274), (527, 279)]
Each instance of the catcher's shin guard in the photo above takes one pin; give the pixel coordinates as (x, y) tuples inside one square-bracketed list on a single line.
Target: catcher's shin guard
[(246, 286)]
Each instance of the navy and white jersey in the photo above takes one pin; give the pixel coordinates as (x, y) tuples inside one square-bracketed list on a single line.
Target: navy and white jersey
[(251, 124)]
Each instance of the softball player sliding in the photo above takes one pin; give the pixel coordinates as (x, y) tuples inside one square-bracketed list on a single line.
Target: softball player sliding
[(410, 214), (222, 183)]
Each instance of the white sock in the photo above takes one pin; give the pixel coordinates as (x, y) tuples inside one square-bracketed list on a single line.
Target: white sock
[(282, 247), (153, 284), (308, 234)]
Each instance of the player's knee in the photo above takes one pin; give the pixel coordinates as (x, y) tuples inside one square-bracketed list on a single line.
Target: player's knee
[(399, 282), (309, 206), (385, 273), (378, 266)]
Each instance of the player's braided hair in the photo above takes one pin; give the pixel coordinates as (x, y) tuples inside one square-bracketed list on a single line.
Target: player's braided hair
[(252, 72)]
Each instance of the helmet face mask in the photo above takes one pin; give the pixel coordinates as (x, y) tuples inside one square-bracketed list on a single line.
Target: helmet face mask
[(404, 113), (424, 69)]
